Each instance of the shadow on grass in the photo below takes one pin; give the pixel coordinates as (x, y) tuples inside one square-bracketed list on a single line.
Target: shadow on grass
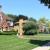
[(40, 42)]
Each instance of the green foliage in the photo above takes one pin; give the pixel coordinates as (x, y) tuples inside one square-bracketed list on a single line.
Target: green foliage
[(32, 24), (42, 24), (22, 17), (8, 33), (13, 17), (42, 20), (0, 6), (30, 28), (31, 32), (45, 2), (16, 18), (32, 19)]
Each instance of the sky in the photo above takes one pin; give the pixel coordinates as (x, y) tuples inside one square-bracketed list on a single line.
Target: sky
[(30, 8)]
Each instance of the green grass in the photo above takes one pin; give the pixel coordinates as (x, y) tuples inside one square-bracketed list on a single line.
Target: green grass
[(11, 42), (39, 37)]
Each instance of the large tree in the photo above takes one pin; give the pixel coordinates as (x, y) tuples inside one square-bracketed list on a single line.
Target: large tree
[(45, 2), (17, 18), (30, 26), (22, 17)]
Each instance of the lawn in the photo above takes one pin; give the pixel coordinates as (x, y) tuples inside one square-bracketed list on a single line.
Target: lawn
[(11, 42)]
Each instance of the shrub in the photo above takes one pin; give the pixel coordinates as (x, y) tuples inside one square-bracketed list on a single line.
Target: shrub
[(8, 33), (30, 28), (31, 32)]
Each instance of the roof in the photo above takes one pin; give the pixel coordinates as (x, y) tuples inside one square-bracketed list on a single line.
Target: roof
[(6, 17)]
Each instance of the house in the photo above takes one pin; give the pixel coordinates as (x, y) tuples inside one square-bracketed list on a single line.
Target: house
[(42, 27), (5, 22)]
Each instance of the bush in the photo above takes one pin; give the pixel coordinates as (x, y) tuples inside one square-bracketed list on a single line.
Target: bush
[(30, 32), (8, 33), (30, 28)]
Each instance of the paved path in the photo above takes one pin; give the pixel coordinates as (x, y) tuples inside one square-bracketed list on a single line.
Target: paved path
[(44, 47)]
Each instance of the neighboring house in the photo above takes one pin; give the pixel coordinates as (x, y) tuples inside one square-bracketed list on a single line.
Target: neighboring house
[(42, 27), (10, 23), (5, 22)]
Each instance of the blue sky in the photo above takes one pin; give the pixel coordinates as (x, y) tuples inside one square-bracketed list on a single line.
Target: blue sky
[(30, 8)]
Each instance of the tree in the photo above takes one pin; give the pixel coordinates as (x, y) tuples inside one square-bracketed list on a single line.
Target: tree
[(42, 24), (32, 19), (48, 26), (30, 26), (22, 17), (42, 20), (0, 6), (16, 18), (45, 2), (13, 17)]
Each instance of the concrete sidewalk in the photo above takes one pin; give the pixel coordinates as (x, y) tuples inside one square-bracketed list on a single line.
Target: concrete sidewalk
[(42, 48)]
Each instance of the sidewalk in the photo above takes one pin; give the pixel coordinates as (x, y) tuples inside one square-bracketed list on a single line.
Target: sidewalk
[(42, 48)]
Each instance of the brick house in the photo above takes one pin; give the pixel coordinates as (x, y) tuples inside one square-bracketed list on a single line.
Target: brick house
[(5, 23)]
